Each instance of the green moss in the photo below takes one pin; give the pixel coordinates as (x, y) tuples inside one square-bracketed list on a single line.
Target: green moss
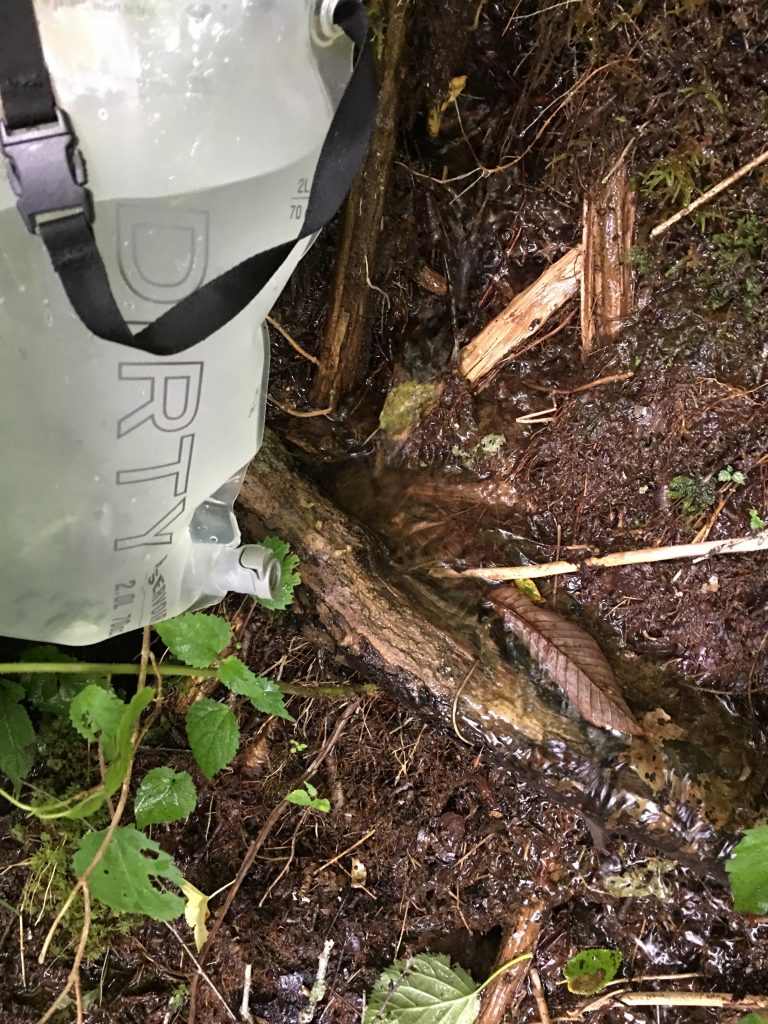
[(694, 494), (404, 405), (48, 856)]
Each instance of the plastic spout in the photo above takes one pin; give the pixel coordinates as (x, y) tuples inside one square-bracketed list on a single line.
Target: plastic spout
[(252, 569)]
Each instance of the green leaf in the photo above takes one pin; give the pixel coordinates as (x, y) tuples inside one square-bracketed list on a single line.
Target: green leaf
[(213, 735), (17, 735), (52, 693), (748, 871), (590, 970), (265, 695), (96, 714), (754, 1018), (756, 521), (123, 878), (195, 639), (290, 577), (307, 797), (164, 795), (423, 990), (122, 748)]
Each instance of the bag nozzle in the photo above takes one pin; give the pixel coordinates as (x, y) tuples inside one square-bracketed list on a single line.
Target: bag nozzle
[(252, 569)]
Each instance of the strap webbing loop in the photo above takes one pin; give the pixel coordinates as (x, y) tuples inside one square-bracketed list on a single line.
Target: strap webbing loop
[(66, 231)]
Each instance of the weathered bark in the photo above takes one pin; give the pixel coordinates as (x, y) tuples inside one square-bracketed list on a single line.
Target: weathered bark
[(343, 347), (607, 294), (684, 787)]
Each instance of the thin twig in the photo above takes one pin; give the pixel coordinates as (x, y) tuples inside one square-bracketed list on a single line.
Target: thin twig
[(292, 341), (538, 994), (257, 844), (455, 705), (710, 193), (671, 998), (288, 861), (344, 853), (308, 415), (642, 556), (245, 1004), (201, 973)]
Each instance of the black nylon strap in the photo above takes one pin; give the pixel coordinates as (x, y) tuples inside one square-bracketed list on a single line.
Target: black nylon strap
[(75, 256), (24, 83)]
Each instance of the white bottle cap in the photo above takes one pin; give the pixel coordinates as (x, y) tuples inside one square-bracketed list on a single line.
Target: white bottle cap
[(252, 569)]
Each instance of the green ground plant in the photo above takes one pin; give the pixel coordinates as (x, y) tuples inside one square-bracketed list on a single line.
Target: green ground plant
[(84, 843)]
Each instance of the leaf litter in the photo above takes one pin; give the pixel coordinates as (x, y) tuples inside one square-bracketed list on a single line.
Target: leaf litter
[(570, 656)]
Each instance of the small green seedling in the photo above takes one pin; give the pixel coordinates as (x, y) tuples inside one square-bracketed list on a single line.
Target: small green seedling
[(756, 521), (296, 747), (307, 797), (729, 475)]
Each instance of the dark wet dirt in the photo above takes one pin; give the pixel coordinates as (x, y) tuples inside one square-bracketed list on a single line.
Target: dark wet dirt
[(459, 845)]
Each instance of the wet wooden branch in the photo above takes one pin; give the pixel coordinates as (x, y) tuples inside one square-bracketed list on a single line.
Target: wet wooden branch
[(504, 995), (344, 344), (608, 223), (522, 318), (413, 642)]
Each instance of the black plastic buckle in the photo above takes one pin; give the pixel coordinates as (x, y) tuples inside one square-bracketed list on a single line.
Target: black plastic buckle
[(46, 171)]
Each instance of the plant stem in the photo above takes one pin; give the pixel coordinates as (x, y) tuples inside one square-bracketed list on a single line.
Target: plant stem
[(504, 967), (129, 669)]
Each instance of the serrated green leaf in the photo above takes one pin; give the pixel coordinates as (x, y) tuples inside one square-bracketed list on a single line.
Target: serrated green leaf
[(265, 695), (747, 870), (123, 753), (290, 578), (213, 735), (194, 638), (96, 714), (423, 990), (123, 878), (590, 970), (17, 735), (164, 795)]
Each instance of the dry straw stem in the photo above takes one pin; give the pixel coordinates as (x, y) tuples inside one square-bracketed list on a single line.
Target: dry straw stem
[(523, 317), (705, 549), (705, 197), (721, 999)]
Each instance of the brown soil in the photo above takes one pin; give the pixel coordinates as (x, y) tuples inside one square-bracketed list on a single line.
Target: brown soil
[(460, 845)]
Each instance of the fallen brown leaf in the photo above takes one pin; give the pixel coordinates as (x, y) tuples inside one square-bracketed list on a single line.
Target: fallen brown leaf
[(570, 656)]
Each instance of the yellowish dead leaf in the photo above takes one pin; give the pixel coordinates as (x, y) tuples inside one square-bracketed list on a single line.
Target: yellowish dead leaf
[(196, 913), (455, 89), (530, 589)]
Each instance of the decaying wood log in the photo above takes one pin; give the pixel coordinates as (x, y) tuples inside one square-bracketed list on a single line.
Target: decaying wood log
[(344, 344), (686, 786), (606, 280), (525, 315)]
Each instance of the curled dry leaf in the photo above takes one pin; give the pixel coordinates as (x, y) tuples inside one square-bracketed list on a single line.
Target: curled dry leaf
[(570, 656)]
